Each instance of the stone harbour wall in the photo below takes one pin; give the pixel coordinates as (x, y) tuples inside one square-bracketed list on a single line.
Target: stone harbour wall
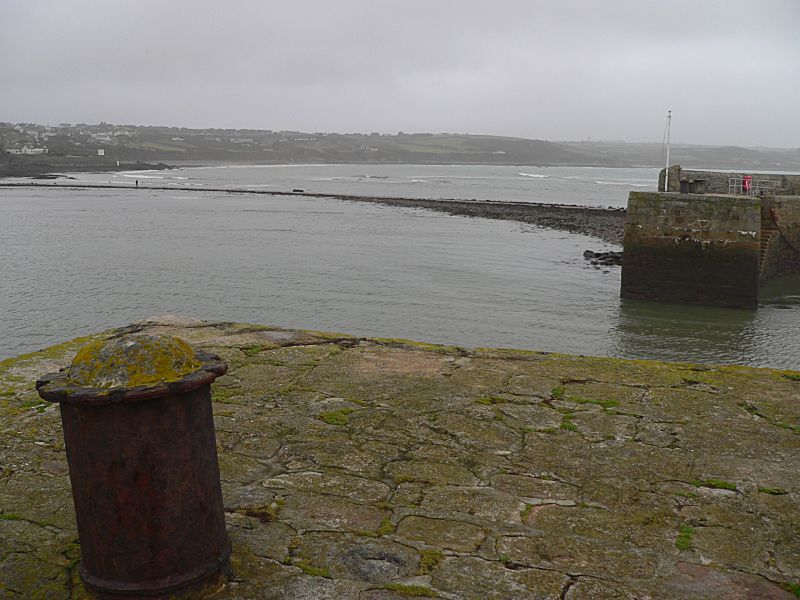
[(716, 182), (783, 251), (691, 248)]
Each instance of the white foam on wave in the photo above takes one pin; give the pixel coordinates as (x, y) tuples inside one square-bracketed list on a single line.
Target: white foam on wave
[(624, 183), (142, 176), (460, 177), (534, 175)]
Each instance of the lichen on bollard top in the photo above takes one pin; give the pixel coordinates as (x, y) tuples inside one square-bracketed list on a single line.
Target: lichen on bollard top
[(131, 367), (132, 361)]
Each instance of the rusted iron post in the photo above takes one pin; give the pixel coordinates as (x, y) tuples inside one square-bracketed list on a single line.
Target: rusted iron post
[(141, 448)]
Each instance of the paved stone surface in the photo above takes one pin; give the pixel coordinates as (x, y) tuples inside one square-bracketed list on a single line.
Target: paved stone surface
[(383, 469)]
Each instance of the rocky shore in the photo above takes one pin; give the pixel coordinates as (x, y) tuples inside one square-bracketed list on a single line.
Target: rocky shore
[(606, 224), (381, 469)]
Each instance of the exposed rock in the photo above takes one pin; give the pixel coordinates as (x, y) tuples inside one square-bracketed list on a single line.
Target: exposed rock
[(605, 259)]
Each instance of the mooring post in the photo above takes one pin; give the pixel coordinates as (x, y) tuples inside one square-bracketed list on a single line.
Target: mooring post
[(141, 448)]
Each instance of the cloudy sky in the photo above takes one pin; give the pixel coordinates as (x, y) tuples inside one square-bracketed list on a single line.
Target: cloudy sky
[(559, 70)]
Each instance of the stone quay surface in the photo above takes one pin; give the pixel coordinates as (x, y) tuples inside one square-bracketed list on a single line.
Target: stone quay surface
[(376, 469)]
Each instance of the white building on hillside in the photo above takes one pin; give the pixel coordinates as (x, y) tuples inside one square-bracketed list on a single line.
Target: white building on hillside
[(27, 149)]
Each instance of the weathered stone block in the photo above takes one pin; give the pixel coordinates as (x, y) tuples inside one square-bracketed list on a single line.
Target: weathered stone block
[(698, 250)]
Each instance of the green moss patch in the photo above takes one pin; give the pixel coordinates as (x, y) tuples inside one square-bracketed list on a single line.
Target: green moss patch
[(489, 400), (566, 422), (684, 540), (312, 570), (794, 588), (336, 417), (251, 351), (131, 361), (772, 491), (429, 560), (716, 484)]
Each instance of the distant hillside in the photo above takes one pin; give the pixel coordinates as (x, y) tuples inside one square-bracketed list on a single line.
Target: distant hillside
[(78, 145), (697, 157)]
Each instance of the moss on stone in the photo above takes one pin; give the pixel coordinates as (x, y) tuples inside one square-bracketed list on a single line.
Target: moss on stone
[(566, 422), (403, 343), (788, 426), (336, 417), (313, 570), (684, 540), (132, 361), (223, 393), (386, 527), (772, 491), (428, 560), (251, 351), (489, 400), (686, 495), (616, 513), (716, 484), (568, 426)]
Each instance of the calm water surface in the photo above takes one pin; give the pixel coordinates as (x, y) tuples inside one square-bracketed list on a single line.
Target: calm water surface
[(78, 261)]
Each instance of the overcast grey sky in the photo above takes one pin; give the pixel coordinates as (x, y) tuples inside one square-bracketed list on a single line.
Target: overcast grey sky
[(559, 70)]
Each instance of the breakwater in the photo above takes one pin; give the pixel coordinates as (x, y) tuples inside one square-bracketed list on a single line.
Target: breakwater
[(603, 223), (713, 249)]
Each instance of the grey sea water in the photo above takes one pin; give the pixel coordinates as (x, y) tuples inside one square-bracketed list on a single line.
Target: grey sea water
[(77, 261), (596, 186)]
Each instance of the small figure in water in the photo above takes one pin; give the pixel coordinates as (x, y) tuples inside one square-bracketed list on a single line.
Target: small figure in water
[(137, 183)]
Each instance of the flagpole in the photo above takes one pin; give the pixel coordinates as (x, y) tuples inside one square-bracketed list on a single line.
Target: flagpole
[(669, 124)]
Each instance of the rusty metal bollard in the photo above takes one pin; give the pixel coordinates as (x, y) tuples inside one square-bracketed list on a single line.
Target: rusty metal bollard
[(141, 448)]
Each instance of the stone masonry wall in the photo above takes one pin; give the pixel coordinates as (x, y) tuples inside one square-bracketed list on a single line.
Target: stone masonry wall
[(691, 248), (717, 182), (783, 255)]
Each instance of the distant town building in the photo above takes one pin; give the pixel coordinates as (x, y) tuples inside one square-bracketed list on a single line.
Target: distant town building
[(27, 149)]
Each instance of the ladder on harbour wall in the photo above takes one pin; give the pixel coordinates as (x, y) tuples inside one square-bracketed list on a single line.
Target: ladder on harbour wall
[(769, 236)]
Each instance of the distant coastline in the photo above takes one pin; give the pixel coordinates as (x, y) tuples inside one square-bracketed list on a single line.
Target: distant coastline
[(29, 149)]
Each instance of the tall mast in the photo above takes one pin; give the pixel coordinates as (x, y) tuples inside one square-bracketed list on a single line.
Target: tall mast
[(669, 123)]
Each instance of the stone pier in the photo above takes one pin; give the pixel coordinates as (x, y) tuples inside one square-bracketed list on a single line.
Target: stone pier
[(712, 248), (382, 469)]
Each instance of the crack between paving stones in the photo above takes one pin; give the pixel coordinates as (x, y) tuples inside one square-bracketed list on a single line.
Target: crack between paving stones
[(565, 590)]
